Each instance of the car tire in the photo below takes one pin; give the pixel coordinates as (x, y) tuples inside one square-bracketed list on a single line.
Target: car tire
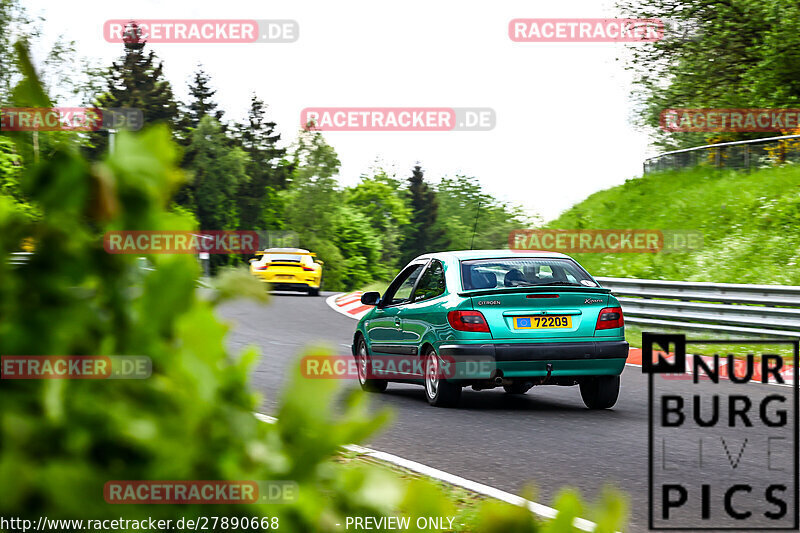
[(439, 392), (600, 392), (362, 362), (516, 388), (313, 291)]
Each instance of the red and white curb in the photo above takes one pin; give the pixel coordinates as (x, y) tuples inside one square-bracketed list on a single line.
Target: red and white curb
[(349, 304), (739, 368), (485, 490)]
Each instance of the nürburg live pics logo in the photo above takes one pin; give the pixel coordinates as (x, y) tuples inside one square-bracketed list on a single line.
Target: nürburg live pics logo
[(723, 434)]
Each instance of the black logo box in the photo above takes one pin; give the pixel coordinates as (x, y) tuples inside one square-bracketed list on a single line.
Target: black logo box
[(678, 366)]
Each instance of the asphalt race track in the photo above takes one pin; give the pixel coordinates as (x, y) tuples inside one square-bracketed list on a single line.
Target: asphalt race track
[(546, 437)]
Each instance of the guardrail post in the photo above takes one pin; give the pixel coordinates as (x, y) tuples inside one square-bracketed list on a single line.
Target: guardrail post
[(747, 157)]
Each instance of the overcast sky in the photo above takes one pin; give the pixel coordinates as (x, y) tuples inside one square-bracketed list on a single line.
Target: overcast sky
[(563, 110)]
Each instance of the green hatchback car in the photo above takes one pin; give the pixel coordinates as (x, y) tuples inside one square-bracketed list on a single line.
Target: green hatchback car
[(493, 318)]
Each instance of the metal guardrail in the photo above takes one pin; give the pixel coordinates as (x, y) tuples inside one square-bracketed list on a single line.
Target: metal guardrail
[(736, 154), (770, 310), (18, 258)]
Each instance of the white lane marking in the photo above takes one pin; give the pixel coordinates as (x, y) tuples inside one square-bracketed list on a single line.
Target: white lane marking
[(536, 508), (266, 418)]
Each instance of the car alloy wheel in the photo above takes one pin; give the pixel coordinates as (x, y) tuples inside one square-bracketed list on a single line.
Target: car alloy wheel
[(361, 360), (362, 366), (438, 391), (432, 375)]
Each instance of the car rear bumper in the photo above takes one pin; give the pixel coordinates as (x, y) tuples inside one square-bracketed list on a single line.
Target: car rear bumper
[(546, 351), (288, 286), (528, 360)]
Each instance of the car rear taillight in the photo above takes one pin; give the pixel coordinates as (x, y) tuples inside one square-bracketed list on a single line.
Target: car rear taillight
[(262, 267), (308, 269), (609, 318), (468, 321)]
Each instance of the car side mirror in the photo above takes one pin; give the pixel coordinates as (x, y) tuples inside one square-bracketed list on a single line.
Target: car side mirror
[(319, 262), (371, 298)]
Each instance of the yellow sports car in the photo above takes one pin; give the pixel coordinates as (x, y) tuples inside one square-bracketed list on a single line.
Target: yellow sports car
[(288, 269)]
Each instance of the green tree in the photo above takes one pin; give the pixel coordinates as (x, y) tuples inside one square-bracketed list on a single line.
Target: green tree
[(64, 75), (423, 235), (259, 205), (359, 244), (11, 172), (475, 219), (10, 169), (69, 77), (738, 53), (312, 199), (202, 99), (386, 207), (316, 209), (217, 172), (313, 192), (137, 81), (14, 24)]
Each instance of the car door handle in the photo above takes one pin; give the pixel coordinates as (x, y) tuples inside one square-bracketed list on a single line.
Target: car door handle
[(397, 323)]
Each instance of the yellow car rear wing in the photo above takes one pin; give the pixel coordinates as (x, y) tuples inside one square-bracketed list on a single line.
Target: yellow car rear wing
[(312, 254), (262, 252)]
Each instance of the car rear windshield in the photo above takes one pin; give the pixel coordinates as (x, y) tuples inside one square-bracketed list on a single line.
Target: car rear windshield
[(522, 272)]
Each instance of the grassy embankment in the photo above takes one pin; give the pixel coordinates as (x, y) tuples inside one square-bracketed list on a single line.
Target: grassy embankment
[(750, 224)]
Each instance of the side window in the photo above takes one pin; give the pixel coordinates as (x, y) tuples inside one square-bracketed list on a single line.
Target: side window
[(546, 271), (431, 284), (400, 290)]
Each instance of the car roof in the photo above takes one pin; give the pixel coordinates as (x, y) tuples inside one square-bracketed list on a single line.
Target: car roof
[(465, 255)]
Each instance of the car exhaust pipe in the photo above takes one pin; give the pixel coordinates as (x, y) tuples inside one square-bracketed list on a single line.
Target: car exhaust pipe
[(495, 380), (544, 380)]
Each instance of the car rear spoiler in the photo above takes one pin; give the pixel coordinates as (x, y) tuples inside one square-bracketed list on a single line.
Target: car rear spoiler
[(312, 254), (262, 252), (549, 288)]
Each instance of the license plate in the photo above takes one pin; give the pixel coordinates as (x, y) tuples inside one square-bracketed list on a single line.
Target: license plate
[(280, 276), (542, 322)]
